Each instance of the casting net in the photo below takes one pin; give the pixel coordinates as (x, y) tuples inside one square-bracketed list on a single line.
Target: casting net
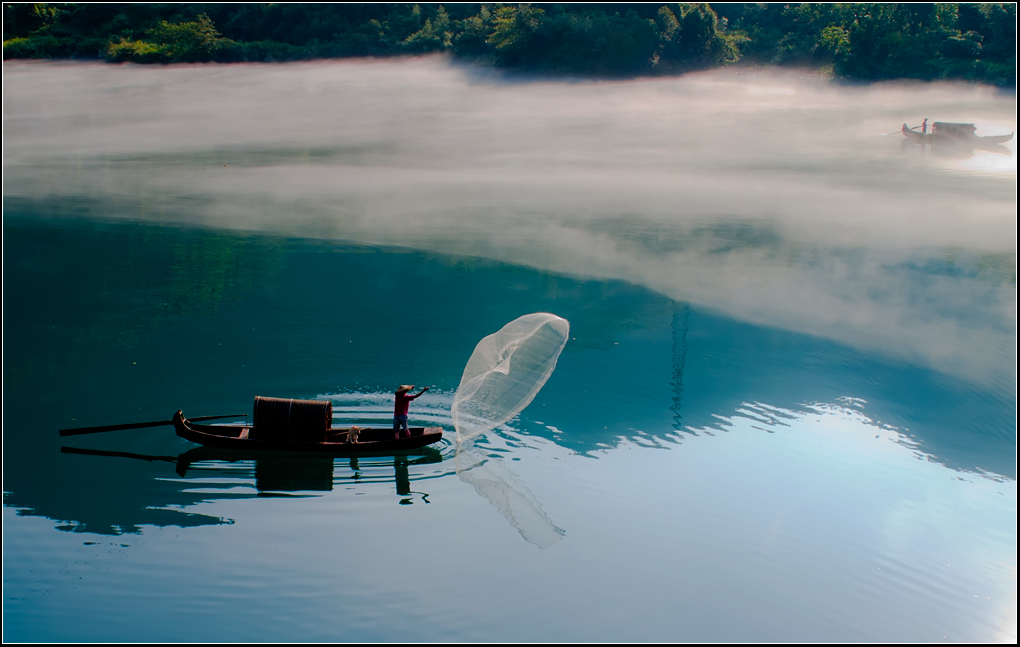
[(506, 372)]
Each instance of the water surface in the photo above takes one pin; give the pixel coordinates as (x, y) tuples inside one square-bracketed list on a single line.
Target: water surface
[(786, 411)]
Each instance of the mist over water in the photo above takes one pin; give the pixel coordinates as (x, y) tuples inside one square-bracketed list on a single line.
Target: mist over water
[(786, 410), (775, 198)]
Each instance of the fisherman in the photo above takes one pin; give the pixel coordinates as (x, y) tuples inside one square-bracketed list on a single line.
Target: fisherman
[(402, 401), (924, 126)]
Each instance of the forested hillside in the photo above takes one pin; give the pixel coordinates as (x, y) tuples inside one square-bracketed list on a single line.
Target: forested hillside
[(860, 41)]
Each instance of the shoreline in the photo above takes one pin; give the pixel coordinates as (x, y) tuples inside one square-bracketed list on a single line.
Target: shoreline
[(851, 43)]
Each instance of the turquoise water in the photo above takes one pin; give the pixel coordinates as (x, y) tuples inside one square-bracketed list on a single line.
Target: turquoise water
[(763, 427)]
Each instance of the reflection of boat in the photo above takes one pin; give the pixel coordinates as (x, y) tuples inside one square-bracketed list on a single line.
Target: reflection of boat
[(415, 456), (958, 135), (300, 425), (286, 471)]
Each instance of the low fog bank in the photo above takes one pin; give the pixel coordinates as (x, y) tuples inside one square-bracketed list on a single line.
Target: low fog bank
[(772, 197)]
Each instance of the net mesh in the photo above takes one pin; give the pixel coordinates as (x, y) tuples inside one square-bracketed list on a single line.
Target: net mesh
[(506, 371)]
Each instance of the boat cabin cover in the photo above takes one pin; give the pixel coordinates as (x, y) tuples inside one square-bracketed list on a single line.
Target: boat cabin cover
[(953, 129)]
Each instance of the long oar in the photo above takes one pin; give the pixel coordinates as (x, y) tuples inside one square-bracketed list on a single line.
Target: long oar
[(901, 130), (138, 425)]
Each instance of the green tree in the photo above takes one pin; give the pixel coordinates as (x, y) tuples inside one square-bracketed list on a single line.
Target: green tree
[(690, 38), (855, 40), (172, 42), (513, 31), (473, 33), (434, 36)]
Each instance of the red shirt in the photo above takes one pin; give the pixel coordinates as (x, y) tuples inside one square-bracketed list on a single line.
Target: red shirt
[(402, 402)]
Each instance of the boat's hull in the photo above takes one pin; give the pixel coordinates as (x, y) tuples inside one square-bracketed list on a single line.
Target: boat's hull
[(947, 139), (914, 136), (370, 441), (995, 139)]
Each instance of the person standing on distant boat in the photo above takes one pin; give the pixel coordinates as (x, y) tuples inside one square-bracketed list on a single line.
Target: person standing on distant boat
[(924, 126), (403, 400)]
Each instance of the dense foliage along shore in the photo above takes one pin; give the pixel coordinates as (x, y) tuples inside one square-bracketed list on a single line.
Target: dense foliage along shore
[(975, 42)]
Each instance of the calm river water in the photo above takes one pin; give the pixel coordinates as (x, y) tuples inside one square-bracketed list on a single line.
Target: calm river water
[(787, 410)]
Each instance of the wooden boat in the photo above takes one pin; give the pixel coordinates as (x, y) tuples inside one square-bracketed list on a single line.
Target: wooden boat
[(288, 425), (370, 441), (954, 134)]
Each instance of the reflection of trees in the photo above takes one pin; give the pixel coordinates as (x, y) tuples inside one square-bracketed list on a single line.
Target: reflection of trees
[(681, 318), (111, 497), (120, 286), (125, 303), (83, 302), (212, 268), (716, 364)]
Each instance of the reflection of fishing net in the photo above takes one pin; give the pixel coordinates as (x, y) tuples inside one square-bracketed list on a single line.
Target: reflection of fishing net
[(504, 489), (506, 372)]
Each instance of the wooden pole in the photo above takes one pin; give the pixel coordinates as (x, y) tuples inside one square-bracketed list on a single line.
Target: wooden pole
[(138, 425)]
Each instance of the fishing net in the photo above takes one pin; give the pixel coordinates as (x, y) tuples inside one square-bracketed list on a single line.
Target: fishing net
[(506, 372)]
